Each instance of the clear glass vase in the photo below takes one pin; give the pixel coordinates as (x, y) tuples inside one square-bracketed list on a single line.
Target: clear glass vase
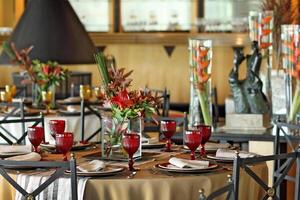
[(200, 110), (111, 137), (289, 57)]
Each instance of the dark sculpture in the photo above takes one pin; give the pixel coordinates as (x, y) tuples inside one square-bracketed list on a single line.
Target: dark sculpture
[(247, 94)]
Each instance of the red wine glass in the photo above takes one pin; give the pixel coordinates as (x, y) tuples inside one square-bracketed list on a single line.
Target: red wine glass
[(168, 128), (64, 142), (131, 143), (57, 126), (192, 139), (205, 131), (35, 136)]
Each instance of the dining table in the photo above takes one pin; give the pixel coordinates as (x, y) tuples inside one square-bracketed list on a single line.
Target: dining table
[(150, 182)]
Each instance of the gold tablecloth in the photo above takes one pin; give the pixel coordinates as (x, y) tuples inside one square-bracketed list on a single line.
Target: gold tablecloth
[(154, 185)]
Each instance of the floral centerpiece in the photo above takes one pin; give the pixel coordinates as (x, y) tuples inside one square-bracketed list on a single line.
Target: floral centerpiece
[(45, 76), (127, 106)]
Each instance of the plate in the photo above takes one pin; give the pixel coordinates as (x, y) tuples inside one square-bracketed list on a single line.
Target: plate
[(171, 168), (153, 145), (107, 171), (77, 146), (63, 112), (220, 159), (10, 154)]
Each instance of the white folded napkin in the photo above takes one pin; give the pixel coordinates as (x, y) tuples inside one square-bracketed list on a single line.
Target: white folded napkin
[(227, 153), (27, 157), (212, 146), (149, 140), (72, 108), (4, 149), (72, 99), (92, 166), (183, 163)]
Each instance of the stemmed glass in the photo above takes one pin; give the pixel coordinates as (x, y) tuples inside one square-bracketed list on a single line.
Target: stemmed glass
[(85, 92), (64, 142), (99, 93), (131, 143), (57, 126), (35, 136), (46, 98), (205, 132), (192, 139), (12, 89), (168, 128)]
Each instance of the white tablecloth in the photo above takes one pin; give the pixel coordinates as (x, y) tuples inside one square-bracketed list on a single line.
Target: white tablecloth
[(92, 123)]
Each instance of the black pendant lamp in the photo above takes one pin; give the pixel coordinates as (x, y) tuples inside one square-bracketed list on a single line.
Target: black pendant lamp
[(55, 31)]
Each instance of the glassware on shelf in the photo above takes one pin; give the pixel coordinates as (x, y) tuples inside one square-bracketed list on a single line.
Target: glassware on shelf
[(192, 139), (131, 143), (57, 126), (168, 129), (253, 25), (35, 136), (64, 142)]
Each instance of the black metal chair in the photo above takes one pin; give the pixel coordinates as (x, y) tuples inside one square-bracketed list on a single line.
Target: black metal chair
[(60, 166), (164, 108), (228, 188), (282, 173), (85, 104), (153, 125), (8, 136)]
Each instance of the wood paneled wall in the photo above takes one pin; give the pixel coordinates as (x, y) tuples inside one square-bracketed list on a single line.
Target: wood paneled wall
[(154, 68)]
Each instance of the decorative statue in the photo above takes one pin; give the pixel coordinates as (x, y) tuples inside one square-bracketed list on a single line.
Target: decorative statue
[(247, 94)]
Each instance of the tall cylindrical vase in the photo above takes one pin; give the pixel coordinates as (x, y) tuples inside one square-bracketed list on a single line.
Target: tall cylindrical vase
[(289, 53), (200, 110)]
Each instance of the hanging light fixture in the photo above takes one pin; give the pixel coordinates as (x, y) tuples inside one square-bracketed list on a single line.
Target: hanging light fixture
[(55, 32)]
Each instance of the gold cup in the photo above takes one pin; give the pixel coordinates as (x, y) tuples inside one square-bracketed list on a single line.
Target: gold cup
[(12, 89), (46, 98), (85, 92), (5, 96), (99, 93)]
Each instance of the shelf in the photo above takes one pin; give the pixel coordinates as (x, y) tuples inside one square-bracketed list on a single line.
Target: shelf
[(219, 39)]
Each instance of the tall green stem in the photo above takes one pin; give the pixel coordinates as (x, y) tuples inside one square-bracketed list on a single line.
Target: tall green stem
[(296, 103), (204, 107)]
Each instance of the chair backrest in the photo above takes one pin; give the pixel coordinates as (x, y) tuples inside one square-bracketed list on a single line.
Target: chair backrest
[(59, 166), (153, 125), (8, 136), (165, 104), (281, 174), (228, 188)]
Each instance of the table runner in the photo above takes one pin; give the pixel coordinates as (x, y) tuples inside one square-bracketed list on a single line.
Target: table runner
[(60, 189)]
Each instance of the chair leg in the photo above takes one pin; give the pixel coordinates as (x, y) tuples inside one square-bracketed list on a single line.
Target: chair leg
[(236, 178), (297, 181), (82, 119)]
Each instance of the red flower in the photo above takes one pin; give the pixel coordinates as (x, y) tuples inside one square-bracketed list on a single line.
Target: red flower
[(46, 69), (122, 100), (57, 71)]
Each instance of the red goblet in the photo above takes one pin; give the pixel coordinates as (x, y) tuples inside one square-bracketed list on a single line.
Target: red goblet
[(64, 142), (131, 143), (205, 133), (168, 128), (35, 136), (57, 126), (192, 139)]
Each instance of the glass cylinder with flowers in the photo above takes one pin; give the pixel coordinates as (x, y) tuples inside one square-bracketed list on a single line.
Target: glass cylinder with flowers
[(128, 109), (290, 53), (200, 111)]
